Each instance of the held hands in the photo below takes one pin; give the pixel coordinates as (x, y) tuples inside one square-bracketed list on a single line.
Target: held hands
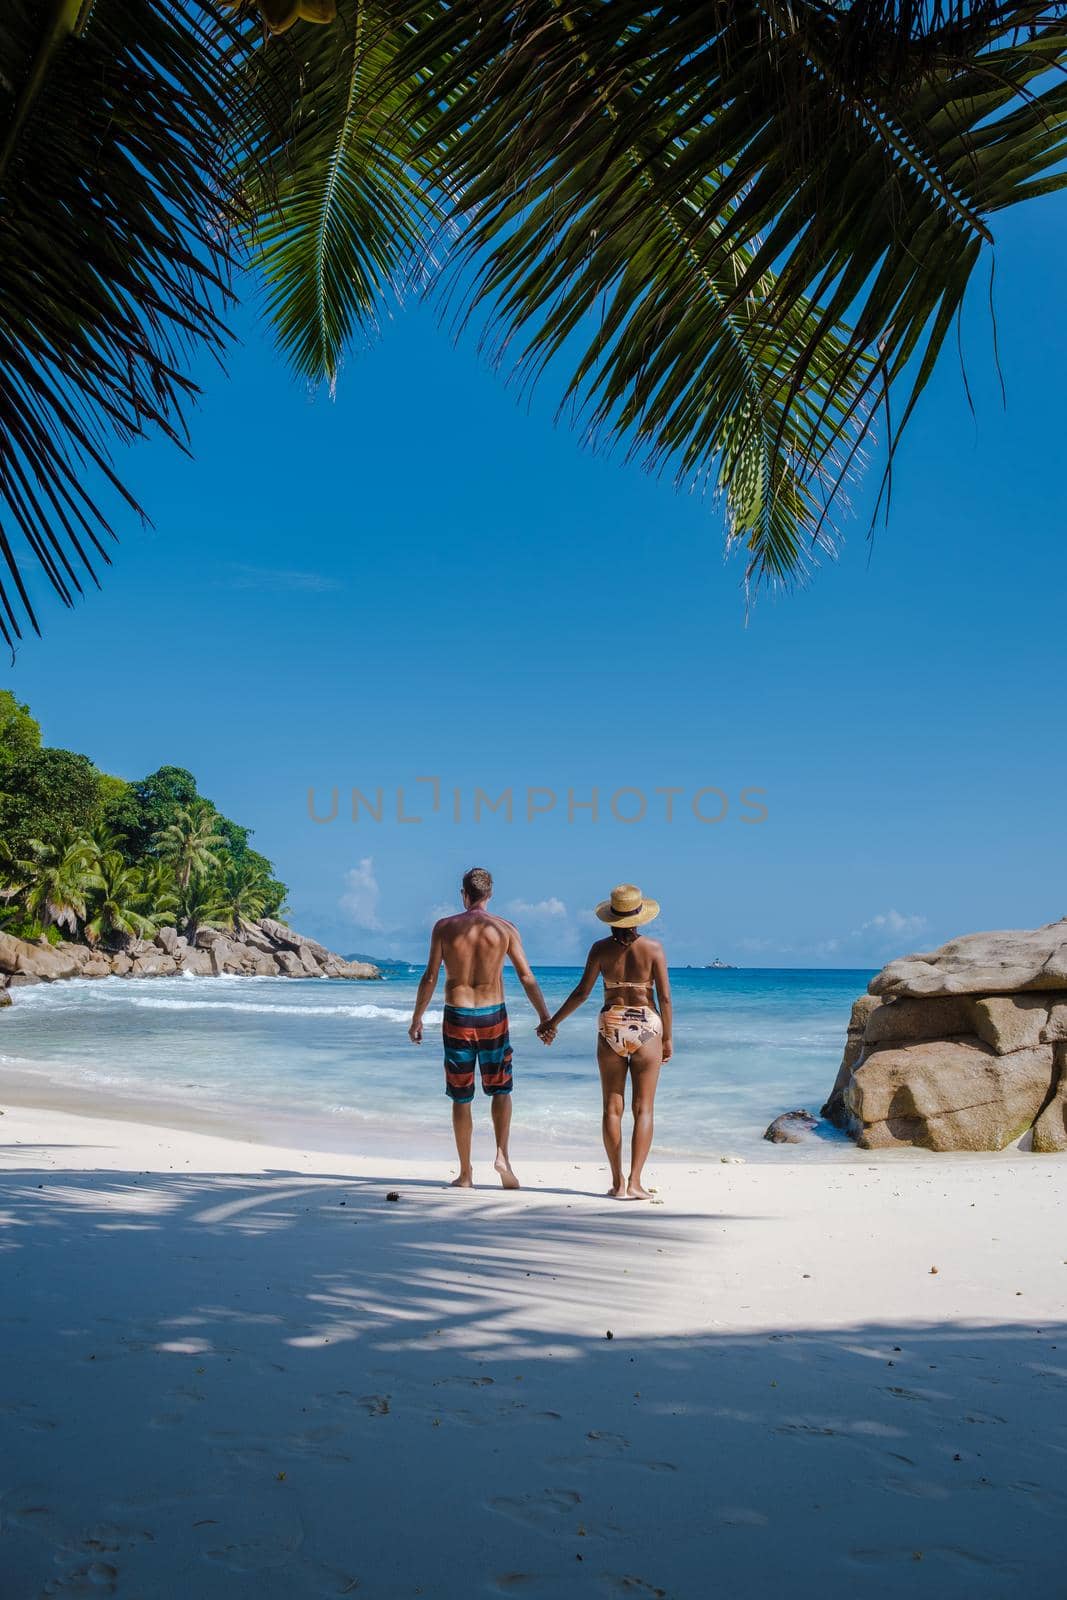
[(547, 1031), (415, 1032)]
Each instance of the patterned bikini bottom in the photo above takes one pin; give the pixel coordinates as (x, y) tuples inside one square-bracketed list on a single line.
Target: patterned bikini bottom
[(626, 1029)]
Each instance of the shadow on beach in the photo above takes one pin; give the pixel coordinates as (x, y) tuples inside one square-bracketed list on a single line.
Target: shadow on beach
[(284, 1386)]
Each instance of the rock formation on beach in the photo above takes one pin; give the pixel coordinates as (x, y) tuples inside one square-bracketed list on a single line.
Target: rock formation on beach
[(791, 1127), (265, 949), (961, 1049)]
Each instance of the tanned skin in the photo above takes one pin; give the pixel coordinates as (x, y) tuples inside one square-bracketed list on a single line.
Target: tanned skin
[(473, 946), (632, 966)]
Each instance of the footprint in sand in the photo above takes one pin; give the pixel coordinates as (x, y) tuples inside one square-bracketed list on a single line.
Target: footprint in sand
[(838, 1427), (605, 1444), (257, 1551), (740, 1517), (106, 1539), (242, 1535), (542, 1510), (29, 1509), (917, 1489), (92, 1581), (327, 1581), (460, 1416), (27, 1415)]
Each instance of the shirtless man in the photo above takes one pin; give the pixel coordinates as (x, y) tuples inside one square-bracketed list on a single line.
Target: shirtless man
[(473, 945)]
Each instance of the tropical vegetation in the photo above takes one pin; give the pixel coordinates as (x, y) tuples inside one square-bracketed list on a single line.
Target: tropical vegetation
[(112, 861), (728, 233)]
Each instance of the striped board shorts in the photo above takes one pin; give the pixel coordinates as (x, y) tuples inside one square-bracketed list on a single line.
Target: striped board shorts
[(476, 1034)]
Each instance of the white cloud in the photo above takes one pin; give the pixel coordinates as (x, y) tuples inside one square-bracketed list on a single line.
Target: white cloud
[(551, 910), (282, 579), (279, 578), (359, 902), (886, 935), (547, 928), (891, 924), (881, 937)]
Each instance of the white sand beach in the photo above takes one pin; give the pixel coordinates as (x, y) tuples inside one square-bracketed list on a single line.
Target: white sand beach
[(241, 1370)]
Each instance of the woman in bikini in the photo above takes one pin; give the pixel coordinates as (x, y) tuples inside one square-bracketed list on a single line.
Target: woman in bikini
[(633, 1029)]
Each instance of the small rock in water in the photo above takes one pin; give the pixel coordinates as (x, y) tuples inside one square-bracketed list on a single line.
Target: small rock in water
[(791, 1127)]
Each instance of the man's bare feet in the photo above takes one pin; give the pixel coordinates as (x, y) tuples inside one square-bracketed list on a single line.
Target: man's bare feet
[(635, 1191), (618, 1192), (508, 1179), (464, 1181)]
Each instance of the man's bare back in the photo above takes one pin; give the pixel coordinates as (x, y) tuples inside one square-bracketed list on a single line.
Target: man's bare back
[(472, 946)]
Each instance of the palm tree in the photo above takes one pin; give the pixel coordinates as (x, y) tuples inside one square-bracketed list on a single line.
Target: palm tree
[(731, 227), (114, 119), (16, 876), (158, 892), (188, 846), (199, 906), (727, 231), (116, 890), (59, 878), (241, 891)]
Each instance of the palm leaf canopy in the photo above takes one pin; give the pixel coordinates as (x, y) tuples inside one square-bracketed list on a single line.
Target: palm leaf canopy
[(340, 212), (740, 222), (113, 220), (725, 230)]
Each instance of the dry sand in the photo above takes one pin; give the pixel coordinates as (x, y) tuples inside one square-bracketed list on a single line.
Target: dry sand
[(234, 1370)]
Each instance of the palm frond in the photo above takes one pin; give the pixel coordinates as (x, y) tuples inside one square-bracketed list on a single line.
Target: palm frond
[(341, 211), (750, 216), (113, 261)]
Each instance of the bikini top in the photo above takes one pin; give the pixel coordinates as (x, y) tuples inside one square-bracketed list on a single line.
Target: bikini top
[(627, 983)]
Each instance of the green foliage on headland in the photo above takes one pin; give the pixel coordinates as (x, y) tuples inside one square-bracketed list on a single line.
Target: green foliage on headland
[(91, 856)]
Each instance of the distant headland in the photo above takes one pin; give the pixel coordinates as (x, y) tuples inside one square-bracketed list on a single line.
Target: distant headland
[(101, 877)]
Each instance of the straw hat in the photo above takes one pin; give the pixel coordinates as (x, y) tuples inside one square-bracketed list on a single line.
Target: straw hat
[(627, 908)]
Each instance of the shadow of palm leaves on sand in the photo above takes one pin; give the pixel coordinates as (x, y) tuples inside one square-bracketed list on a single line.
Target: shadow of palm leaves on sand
[(287, 1385)]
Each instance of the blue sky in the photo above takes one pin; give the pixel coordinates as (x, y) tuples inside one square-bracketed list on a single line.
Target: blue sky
[(424, 578)]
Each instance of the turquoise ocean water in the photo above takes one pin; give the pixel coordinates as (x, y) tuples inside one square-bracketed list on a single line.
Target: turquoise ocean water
[(332, 1061)]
